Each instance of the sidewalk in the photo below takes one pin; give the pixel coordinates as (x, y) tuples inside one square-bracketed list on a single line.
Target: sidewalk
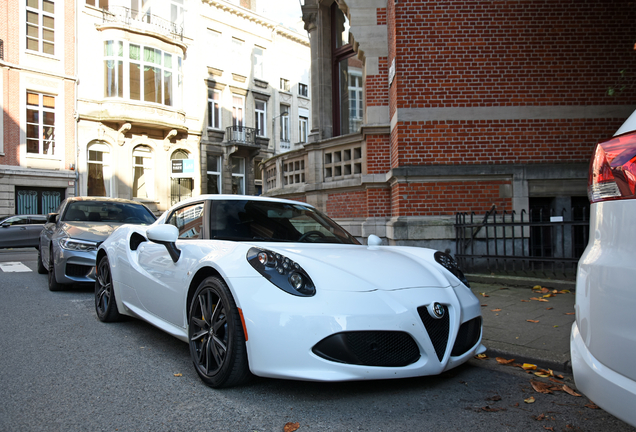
[(507, 303)]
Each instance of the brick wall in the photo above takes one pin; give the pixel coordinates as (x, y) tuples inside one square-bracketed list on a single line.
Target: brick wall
[(499, 141), (440, 198), (347, 204), (541, 52)]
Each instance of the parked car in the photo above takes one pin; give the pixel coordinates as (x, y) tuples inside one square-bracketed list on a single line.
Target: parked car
[(602, 343), (275, 288), (19, 231), (69, 240)]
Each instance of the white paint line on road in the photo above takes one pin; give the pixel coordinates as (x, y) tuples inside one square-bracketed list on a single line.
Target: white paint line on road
[(14, 267)]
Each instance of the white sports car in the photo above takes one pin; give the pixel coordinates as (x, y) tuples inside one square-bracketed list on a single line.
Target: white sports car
[(275, 288)]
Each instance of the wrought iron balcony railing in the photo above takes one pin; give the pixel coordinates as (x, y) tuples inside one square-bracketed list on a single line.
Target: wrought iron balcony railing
[(241, 135), (131, 17)]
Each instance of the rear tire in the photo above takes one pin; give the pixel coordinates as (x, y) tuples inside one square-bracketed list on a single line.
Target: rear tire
[(217, 341), (54, 285), (105, 303)]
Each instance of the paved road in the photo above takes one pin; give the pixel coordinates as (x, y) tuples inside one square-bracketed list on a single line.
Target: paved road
[(63, 370)]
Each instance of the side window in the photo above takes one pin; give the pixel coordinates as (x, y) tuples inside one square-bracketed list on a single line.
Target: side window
[(189, 221)]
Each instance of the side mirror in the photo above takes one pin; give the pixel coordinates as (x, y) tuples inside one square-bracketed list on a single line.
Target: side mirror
[(166, 235), (52, 217), (5, 225)]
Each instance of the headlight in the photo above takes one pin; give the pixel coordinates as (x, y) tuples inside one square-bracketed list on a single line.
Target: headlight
[(78, 245), (282, 272)]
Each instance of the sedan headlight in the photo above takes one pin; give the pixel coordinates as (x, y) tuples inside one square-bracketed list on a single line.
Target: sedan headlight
[(78, 245), (282, 272)]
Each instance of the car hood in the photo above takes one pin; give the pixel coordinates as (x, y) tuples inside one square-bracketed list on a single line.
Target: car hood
[(90, 231), (362, 268)]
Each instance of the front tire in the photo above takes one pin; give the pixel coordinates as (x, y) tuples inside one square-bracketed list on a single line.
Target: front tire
[(105, 303), (54, 285), (217, 341), (41, 268)]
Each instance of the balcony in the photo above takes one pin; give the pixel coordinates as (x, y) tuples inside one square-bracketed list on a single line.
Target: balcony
[(242, 136), (142, 21)]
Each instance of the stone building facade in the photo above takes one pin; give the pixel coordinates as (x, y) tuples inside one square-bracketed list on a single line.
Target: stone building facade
[(466, 107), (184, 97)]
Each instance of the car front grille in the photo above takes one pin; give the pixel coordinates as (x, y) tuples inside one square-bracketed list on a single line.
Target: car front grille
[(437, 329), (467, 337), (369, 348), (77, 270)]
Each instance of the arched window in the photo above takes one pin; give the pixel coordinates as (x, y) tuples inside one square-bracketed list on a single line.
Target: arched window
[(143, 173), (182, 183), (99, 170)]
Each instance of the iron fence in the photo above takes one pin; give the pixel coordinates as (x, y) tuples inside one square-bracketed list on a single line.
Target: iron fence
[(538, 242)]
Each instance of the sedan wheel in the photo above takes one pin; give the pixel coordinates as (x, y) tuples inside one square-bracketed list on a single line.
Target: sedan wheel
[(54, 285), (217, 342), (105, 304), (41, 268)]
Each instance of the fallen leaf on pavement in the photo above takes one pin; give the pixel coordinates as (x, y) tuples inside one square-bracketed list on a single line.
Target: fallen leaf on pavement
[(529, 400), (570, 391), (533, 321), (529, 366), (550, 308), (495, 310), (543, 300), (502, 360), (554, 380), (484, 294), (550, 428), (542, 374), (564, 291), (570, 313), (540, 387), (291, 427), (540, 417), (534, 298), (549, 295), (178, 375), (591, 405), (525, 300), (489, 409), (481, 356), (536, 287)]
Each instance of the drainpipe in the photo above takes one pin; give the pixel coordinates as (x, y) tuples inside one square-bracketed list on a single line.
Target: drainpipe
[(76, 113)]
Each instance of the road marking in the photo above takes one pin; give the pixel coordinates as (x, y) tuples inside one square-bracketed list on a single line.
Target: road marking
[(14, 267)]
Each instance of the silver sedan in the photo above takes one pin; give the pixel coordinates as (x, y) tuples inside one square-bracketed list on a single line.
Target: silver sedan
[(69, 240)]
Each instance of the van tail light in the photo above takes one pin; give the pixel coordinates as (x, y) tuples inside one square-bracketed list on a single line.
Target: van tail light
[(613, 169)]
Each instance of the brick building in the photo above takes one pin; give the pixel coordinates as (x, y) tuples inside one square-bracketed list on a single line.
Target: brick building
[(38, 82), (422, 108)]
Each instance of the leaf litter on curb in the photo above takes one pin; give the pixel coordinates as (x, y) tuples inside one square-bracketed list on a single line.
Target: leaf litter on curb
[(291, 427)]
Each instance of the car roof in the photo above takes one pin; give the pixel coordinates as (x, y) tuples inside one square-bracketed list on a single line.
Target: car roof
[(101, 199), (227, 197)]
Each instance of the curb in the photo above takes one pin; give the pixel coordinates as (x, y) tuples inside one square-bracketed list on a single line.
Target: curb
[(521, 281)]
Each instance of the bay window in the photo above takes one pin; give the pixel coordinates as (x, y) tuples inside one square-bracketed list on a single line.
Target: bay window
[(134, 72)]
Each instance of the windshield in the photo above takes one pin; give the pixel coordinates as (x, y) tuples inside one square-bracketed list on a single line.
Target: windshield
[(273, 221), (111, 212)]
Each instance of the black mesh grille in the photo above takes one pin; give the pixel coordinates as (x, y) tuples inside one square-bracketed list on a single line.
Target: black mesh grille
[(77, 270), (467, 337), (369, 348), (437, 329)]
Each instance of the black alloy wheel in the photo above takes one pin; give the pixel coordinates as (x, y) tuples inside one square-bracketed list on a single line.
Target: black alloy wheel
[(54, 285), (105, 304), (217, 341)]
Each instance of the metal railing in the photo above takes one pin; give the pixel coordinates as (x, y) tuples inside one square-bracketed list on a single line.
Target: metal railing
[(127, 16), (536, 243), (241, 135)]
